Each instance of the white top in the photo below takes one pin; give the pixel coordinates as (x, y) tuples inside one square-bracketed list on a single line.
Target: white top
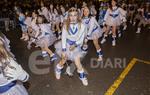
[(76, 33), (64, 17), (113, 14), (44, 11), (18, 73), (91, 24), (45, 30)]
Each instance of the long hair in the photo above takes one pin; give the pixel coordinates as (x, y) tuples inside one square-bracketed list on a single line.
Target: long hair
[(110, 3), (84, 10), (68, 20), (4, 54)]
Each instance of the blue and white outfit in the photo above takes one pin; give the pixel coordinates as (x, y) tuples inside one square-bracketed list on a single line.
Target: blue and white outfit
[(74, 36), (102, 13), (46, 36), (10, 77), (44, 11), (114, 17), (144, 20), (64, 17), (93, 28), (22, 24)]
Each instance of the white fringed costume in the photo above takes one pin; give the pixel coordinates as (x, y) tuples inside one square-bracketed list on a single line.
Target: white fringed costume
[(93, 28), (113, 17), (10, 83), (74, 36), (46, 36)]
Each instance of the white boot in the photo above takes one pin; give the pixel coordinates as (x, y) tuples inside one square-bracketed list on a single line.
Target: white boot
[(125, 27), (103, 41), (138, 30), (68, 71), (58, 71), (114, 41), (44, 54), (100, 58), (119, 33), (83, 78), (100, 55)]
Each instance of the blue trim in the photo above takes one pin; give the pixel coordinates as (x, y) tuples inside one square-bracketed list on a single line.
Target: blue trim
[(25, 78), (21, 20), (87, 21), (64, 49), (73, 32), (82, 75), (21, 23), (7, 87), (64, 15), (147, 15), (115, 9), (71, 42), (113, 38), (46, 33), (114, 15), (99, 53), (58, 70), (95, 28), (53, 58)]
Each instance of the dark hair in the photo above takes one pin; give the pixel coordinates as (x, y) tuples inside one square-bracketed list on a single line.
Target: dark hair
[(44, 20), (110, 3)]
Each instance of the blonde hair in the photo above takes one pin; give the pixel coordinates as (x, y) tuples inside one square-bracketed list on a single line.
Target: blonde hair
[(4, 54), (68, 20)]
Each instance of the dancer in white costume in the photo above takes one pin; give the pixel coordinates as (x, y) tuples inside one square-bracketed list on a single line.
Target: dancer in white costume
[(113, 19), (46, 37), (145, 18), (131, 9), (94, 31), (11, 74), (73, 34), (44, 11), (23, 26)]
